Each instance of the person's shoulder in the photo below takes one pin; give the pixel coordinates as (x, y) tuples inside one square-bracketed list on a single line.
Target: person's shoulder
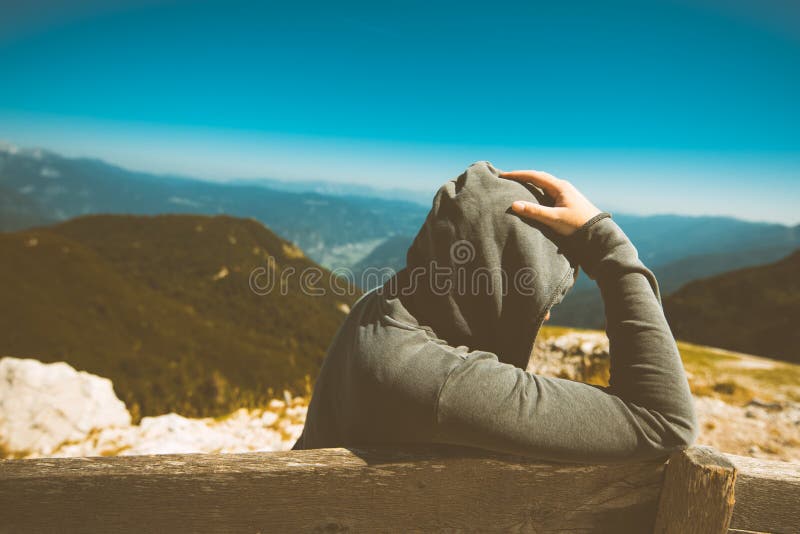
[(380, 338), (366, 309)]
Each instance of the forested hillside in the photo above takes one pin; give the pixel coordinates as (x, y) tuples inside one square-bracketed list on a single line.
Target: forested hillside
[(162, 306), (755, 310)]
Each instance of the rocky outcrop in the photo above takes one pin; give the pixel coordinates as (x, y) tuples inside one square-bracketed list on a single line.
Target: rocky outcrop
[(579, 356), (44, 407), (54, 410), (274, 428)]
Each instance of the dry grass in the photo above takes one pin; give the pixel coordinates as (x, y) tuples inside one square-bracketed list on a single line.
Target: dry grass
[(738, 378), (729, 376)]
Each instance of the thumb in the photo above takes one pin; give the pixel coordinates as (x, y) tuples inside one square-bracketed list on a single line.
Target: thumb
[(538, 212)]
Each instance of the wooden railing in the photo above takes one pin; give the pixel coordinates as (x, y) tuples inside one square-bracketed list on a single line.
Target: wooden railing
[(410, 489)]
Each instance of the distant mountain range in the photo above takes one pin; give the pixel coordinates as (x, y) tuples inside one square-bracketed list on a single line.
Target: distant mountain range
[(162, 305), (754, 310), (680, 249), (339, 189), (39, 187), (385, 259), (340, 225)]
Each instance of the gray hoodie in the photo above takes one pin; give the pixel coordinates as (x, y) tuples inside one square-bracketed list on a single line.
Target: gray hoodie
[(438, 353)]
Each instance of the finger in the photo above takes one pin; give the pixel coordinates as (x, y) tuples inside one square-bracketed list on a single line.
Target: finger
[(549, 183), (532, 210)]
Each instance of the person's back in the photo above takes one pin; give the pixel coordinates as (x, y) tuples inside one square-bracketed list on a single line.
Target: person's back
[(438, 354)]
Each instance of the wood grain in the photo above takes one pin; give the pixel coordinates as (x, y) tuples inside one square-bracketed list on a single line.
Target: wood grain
[(331, 490), (417, 489), (767, 495), (698, 493)]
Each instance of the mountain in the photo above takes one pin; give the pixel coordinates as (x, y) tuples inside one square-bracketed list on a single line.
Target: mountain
[(385, 260), (163, 306), (677, 248), (664, 239), (334, 230), (19, 210), (340, 225), (422, 198), (754, 310), (680, 249), (677, 273)]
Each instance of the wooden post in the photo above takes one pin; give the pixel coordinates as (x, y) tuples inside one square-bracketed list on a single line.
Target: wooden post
[(697, 495)]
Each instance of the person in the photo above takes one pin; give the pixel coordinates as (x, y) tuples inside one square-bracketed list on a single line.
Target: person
[(438, 354)]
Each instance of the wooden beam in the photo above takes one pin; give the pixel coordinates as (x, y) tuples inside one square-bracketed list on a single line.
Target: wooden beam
[(767, 495), (414, 488), (420, 488), (698, 493)]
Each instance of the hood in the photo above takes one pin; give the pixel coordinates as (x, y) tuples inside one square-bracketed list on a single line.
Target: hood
[(479, 275)]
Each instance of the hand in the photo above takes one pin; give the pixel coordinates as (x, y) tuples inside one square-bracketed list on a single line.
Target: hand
[(570, 210)]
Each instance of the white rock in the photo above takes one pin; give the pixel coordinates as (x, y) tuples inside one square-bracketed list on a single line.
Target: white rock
[(269, 418), (53, 410), (46, 406), (580, 343), (276, 405)]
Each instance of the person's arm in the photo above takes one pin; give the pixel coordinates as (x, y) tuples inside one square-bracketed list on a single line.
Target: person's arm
[(646, 412)]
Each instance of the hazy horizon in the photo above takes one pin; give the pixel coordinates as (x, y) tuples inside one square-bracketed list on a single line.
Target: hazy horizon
[(420, 195)]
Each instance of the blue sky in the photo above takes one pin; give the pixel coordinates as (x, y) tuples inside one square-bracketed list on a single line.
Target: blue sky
[(650, 107)]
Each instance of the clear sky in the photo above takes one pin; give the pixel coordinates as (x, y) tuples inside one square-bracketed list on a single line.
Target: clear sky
[(673, 106)]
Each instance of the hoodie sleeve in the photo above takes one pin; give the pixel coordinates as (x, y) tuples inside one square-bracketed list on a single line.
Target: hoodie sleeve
[(646, 412)]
